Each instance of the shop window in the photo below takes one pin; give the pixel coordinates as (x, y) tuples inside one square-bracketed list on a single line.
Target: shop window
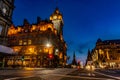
[(29, 42), (20, 42)]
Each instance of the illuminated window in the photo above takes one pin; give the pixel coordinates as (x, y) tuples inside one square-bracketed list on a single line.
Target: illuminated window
[(60, 56), (59, 17), (25, 43), (100, 51), (19, 29), (33, 28), (45, 50), (20, 42), (50, 50), (40, 50), (29, 41)]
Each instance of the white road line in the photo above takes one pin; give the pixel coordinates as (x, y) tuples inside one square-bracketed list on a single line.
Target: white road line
[(18, 78), (62, 77), (108, 75), (80, 77)]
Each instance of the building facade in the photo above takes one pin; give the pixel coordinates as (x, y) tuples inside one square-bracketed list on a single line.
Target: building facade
[(6, 10), (38, 45), (106, 53)]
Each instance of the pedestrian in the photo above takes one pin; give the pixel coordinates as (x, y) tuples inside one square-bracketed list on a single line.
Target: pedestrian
[(91, 70)]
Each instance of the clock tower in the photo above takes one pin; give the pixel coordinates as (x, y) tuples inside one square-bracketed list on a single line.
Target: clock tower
[(57, 21), (6, 10)]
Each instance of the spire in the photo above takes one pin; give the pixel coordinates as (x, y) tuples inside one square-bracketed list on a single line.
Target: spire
[(57, 20), (56, 3), (56, 15), (38, 19), (99, 40), (74, 62), (25, 22), (74, 55), (89, 57)]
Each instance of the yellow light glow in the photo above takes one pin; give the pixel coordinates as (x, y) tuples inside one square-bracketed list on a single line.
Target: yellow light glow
[(55, 31), (19, 29), (46, 50), (17, 48), (29, 41), (31, 50), (50, 50), (42, 27), (55, 17), (61, 55), (33, 28), (51, 18), (90, 67), (26, 68), (48, 45), (20, 42), (59, 17)]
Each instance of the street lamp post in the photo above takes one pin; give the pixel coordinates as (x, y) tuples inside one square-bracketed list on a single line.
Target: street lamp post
[(3, 63), (48, 45), (22, 59)]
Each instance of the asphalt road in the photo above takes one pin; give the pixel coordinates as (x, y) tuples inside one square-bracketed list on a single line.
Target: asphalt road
[(55, 74)]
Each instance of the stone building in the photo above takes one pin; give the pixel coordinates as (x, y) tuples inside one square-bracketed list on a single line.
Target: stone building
[(107, 53), (6, 10), (38, 45)]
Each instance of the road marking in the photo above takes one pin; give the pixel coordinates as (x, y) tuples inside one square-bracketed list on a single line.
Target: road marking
[(18, 78), (88, 74), (81, 77), (61, 77), (108, 75), (110, 71)]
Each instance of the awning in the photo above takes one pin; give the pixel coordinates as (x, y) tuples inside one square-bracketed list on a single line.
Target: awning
[(5, 49)]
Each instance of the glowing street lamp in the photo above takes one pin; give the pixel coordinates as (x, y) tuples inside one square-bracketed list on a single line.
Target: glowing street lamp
[(48, 45)]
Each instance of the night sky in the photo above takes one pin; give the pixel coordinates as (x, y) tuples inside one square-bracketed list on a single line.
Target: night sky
[(84, 20)]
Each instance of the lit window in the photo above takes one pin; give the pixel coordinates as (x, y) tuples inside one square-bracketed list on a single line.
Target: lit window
[(60, 56), (40, 50), (20, 42), (45, 50), (29, 41), (25, 43)]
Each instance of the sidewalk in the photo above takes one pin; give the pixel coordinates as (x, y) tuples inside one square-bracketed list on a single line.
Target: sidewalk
[(20, 68)]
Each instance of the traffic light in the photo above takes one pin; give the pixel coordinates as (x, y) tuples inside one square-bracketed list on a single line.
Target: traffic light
[(51, 56), (22, 58)]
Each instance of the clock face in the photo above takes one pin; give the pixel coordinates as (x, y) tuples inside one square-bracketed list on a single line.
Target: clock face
[(54, 17)]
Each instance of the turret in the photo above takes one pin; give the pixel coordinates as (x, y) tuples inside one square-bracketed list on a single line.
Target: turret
[(57, 20)]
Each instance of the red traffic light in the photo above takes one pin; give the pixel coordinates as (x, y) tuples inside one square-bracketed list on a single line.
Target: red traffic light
[(51, 56)]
